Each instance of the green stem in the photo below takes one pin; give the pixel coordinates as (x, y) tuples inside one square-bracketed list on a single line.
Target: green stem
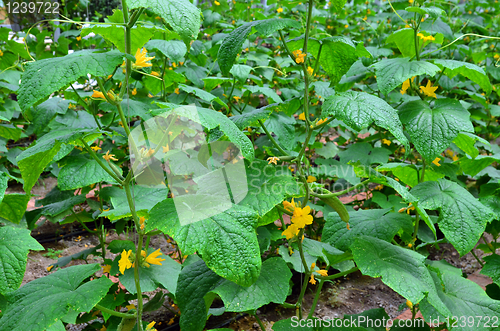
[(283, 210), (316, 298), (316, 66), (113, 312), (340, 274), (282, 151), (99, 161), (335, 194), (262, 327), (415, 32), (307, 273)]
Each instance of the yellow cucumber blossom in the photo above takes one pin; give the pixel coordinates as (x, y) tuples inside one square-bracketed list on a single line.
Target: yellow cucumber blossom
[(126, 261), (429, 90), (300, 219), (152, 258), (141, 59)]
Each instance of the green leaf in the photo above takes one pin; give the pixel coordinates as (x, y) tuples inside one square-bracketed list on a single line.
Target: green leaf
[(337, 56), (338, 5), (10, 131), (271, 286), (408, 174), (433, 129), (40, 303), (81, 171), (465, 299), (359, 110), (231, 45), (139, 35), (433, 12), (227, 241), (212, 119), (491, 268), (473, 167), (252, 117), (182, 15), (401, 269), (4, 179), (284, 128), (144, 198), (15, 245), (46, 76), (268, 92), (133, 107), (462, 217), (268, 185), (173, 49), (13, 206), (241, 72), (469, 70), (466, 141), (378, 223), (213, 82), (294, 259), (195, 281), (405, 40), (203, 95), (393, 72), (152, 277)]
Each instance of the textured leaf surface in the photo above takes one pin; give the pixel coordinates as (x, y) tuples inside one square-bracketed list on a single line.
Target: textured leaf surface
[(81, 171), (469, 70), (195, 281), (376, 223), (231, 45), (13, 206), (462, 217), (268, 185), (271, 286), (337, 56), (43, 77), (227, 241), (393, 72), (114, 33), (251, 118), (465, 299), (182, 15), (4, 179), (40, 303), (466, 142), (401, 269), (15, 245), (283, 127), (173, 49), (144, 198), (433, 129), (359, 110), (492, 268)]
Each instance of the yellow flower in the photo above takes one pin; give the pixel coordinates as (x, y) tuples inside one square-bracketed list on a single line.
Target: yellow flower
[(97, 95), (302, 116), (78, 38), (291, 231), (106, 268), (141, 221), (289, 205), (217, 3), (455, 158), (310, 71), (386, 141), (410, 1), (379, 187), (436, 161), (409, 209), (141, 59), (273, 159), (496, 56), (153, 258), (429, 89), (279, 10), (154, 73), (301, 216), (108, 157), (312, 280), (95, 148), (311, 179), (104, 328), (409, 304), (50, 267), (130, 307), (321, 121), (237, 98), (406, 85), (176, 91), (346, 26), (124, 262), (134, 91), (299, 56), (323, 273), (165, 148)]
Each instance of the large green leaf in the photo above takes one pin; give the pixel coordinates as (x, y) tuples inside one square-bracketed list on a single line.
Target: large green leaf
[(15, 245), (359, 110), (474, 166), (195, 281), (252, 117), (466, 300), (182, 15), (271, 286), (466, 142), (405, 40), (202, 94), (393, 72), (40, 303), (212, 119), (462, 217), (173, 49), (268, 185), (144, 199), (469, 70), (33, 160), (81, 171), (227, 241), (378, 223), (44, 77), (4, 179), (231, 45), (401, 269), (13, 206), (9, 131), (433, 129), (283, 127), (337, 56), (268, 92), (139, 35)]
